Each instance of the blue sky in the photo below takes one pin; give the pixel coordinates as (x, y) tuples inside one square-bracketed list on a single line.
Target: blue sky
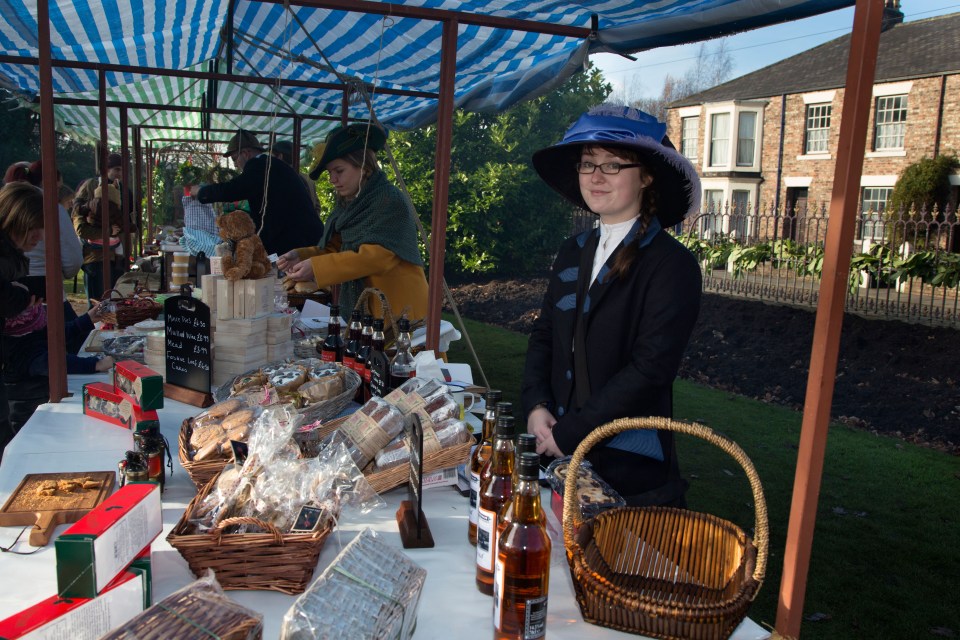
[(750, 51)]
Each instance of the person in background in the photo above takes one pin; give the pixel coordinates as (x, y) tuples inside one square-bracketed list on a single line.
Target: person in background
[(17, 172), (199, 228), (371, 235), (283, 150), (282, 213), (87, 222), (621, 301)]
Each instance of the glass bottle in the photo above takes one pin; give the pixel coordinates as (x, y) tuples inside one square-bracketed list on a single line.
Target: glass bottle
[(496, 489), (377, 344), (481, 453), (522, 573), (352, 346), (363, 353), (526, 443), (332, 348), (402, 367)]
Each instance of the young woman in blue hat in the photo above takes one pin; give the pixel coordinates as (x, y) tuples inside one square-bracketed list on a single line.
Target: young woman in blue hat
[(621, 302), (370, 238)]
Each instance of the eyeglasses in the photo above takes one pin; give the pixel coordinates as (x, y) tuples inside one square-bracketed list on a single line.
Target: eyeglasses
[(608, 168)]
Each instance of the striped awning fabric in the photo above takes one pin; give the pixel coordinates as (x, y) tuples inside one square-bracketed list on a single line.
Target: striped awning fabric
[(496, 67)]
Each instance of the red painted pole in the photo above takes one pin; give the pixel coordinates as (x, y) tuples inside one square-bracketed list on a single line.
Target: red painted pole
[(841, 224)]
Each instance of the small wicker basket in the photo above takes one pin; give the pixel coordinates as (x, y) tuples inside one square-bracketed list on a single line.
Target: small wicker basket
[(200, 471), (660, 571), (271, 561), (123, 312)]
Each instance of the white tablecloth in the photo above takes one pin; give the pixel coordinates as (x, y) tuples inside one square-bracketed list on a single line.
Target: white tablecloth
[(60, 438)]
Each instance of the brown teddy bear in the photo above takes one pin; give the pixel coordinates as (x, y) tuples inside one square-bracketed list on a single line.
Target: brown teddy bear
[(245, 256)]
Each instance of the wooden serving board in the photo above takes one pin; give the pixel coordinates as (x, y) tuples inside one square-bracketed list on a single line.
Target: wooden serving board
[(26, 506)]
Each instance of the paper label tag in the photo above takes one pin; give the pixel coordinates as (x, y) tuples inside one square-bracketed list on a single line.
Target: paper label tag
[(474, 496), (486, 538)]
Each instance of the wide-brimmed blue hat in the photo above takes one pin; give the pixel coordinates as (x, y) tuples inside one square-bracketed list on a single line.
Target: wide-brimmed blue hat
[(619, 127)]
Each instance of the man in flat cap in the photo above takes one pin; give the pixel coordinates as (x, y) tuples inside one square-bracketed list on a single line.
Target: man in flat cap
[(283, 150), (278, 199)]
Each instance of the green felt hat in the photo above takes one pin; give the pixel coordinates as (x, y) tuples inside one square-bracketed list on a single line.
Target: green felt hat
[(343, 140)]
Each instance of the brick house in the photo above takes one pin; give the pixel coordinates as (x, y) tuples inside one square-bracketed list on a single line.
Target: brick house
[(767, 141)]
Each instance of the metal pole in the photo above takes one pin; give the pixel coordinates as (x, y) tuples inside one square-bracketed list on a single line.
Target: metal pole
[(138, 187), (124, 189), (297, 127), (150, 190), (104, 200), (841, 224), (56, 341), (441, 184)]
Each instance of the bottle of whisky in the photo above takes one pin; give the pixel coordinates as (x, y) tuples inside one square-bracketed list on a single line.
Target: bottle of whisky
[(526, 443), (481, 453), (402, 367), (522, 573), (496, 489), (352, 345), (332, 348)]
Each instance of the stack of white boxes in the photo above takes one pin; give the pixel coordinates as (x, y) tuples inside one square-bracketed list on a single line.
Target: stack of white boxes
[(155, 352), (247, 333)]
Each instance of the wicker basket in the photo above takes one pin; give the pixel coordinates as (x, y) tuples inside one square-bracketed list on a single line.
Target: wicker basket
[(660, 571), (129, 311), (248, 561), (200, 471)]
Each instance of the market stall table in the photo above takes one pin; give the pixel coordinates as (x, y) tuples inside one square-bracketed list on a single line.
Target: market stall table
[(60, 438)]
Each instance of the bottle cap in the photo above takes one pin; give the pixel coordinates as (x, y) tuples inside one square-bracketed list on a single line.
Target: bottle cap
[(403, 325), (505, 408), (355, 315), (505, 426), (378, 324), (526, 442), (529, 466), (368, 319), (334, 311), (492, 397)]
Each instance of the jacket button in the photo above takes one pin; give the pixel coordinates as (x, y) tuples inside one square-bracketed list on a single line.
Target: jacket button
[(569, 374), (559, 411)]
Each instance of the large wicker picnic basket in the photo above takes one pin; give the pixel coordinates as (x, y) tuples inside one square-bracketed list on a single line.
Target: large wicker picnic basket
[(122, 311), (272, 561), (661, 571)]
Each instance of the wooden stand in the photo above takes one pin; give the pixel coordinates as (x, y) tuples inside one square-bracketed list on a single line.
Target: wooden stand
[(412, 536), (187, 396)]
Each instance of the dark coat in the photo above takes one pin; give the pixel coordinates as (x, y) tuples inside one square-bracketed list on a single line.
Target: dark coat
[(292, 220), (637, 328), (13, 265)]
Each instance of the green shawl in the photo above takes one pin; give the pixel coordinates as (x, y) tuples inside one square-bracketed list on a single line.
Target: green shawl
[(381, 215)]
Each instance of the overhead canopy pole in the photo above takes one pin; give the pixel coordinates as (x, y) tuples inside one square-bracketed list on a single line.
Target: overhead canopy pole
[(857, 98), (138, 187), (441, 181), (56, 349), (104, 199)]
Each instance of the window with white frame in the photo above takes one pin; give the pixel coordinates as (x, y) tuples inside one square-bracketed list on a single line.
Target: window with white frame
[(817, 134), (739, 212), (891, 122), (711, 221), (719, 139), (873, 202), (690, 129), (746, 138)]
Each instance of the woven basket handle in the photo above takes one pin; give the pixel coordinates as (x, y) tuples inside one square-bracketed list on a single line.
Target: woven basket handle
[(571, 515), (108, 295), (226, 522)]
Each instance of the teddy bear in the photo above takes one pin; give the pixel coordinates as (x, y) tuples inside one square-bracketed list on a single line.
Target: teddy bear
[(245, 256)]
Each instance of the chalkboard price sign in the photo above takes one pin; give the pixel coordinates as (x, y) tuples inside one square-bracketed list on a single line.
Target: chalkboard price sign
[(188, 342), (411, 521), (379, 374)]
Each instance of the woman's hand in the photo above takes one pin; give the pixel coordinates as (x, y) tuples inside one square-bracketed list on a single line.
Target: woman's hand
[(288, 260), (302, 271), (114, 230), (96, 312), (104, 364), (540, 423)]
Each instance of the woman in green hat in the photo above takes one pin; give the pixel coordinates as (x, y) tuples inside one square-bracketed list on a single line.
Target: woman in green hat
[(370, 238)]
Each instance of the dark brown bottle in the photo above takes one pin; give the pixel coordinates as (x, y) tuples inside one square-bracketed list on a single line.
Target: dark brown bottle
[(481, 453), (363, 353), (496, 489), (526, 443), (402, 367), (377, 343), (352, 345), (332, 348), (522, 573)]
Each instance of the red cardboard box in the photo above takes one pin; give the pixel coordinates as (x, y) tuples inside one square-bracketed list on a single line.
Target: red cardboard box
[(102, 402), (139, 383), (100, 545), (81, 618), (138, 419)]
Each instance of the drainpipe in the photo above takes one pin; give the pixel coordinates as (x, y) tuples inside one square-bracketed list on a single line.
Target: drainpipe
[(776, 195), (936, 140)]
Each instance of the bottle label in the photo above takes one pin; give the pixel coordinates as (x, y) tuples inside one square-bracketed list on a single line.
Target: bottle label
[(328, 356), (474, 496), (535, 618), (349, 361), (486, 538), (498, 595)]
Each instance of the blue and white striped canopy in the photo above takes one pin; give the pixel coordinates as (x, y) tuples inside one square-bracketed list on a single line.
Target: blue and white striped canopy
[(496, 67)]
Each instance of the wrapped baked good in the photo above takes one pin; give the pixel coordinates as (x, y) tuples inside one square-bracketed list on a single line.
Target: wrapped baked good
[(318, 389), (370, 429), (448, 433), (255, 379), (415, 393), (214, 428), (593, 493), (288, 378)]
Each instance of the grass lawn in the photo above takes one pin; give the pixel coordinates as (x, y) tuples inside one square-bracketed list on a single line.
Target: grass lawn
[(885, 560)]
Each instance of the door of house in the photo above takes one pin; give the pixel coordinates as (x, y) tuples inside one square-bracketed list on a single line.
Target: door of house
[(795, 212)]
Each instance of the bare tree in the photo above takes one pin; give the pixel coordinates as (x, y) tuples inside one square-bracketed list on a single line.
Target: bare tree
[(712, 66)]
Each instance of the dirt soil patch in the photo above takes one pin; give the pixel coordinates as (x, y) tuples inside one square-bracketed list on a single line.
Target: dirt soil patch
[(892, 377)]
